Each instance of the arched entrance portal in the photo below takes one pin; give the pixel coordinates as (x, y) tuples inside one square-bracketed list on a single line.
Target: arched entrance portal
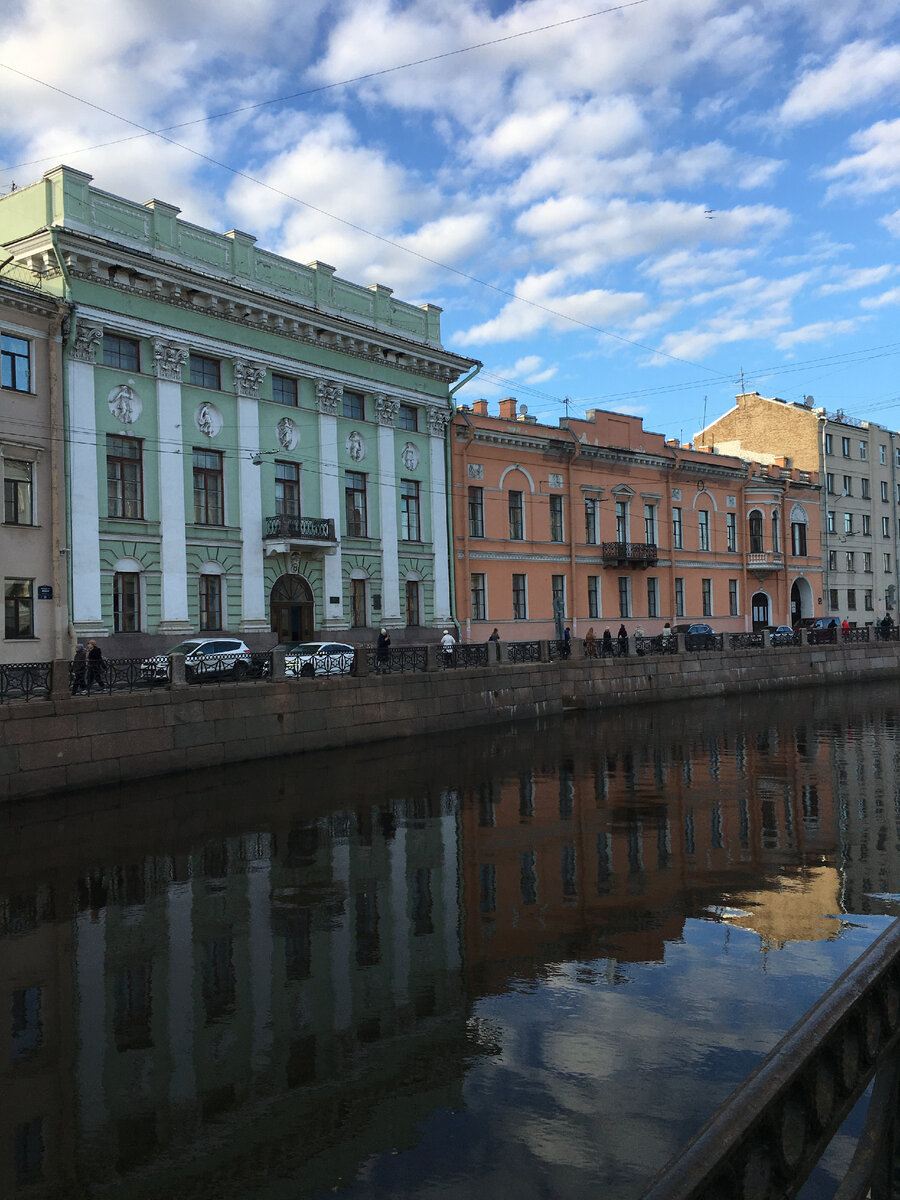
[(801, 600), (293, 614), (760, 604)]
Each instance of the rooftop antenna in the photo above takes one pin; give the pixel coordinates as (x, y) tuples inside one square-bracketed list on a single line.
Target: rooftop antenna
[(742, 382), (704, 412), (566, 403)]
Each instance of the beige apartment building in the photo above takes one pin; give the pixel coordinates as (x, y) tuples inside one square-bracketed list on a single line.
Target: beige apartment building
[(859, 466), (32, 534)]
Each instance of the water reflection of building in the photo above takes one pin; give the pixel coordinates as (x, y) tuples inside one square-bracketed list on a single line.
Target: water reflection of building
[(234, 1002)]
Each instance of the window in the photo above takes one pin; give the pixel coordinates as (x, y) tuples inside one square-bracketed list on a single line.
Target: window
[(558, 593), (703, 528), (756, 533), (731, 531), (867, 599), (829, 482), (798, 539), (209, 490), (776, 534), (886, 562), (679, 597), (287, 489), (476, 512), (590, 522), (210, 602), (624, 596), (18, 504), (479, 598), (621, 521), (353, 405), (882, 454), (650, 524), (121, 352), (897, 456), (27, 1032), (833, 599), (355, 502), (126, 602), (652, 596), (516, 517), (866, 523), (410, 530), (204, 372), (867, 562), (848, 562), (864, 488), (851, 600), (830, 521), (15, 363), (593, 596), (519, 597), (284, 390), (885, 526), (847, 484), (733, 610), (408, 417), (556, 518), (828, 444), (848, 522), (863, 450), (706, 590), (845, 447), (884, 491), (124, 478), (19, 603), (677, 529), (832, 560)]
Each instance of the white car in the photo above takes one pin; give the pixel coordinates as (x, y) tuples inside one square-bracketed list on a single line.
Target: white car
[(204, 658), (318, 658)]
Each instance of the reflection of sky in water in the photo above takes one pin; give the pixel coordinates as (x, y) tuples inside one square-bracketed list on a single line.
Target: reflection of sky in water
[(598, 1084)]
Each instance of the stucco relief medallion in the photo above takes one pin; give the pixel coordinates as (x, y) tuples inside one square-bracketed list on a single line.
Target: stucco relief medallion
[(476, 470), (124, 403), (409, 456), (288, 434), (208, 419), (356, 446)]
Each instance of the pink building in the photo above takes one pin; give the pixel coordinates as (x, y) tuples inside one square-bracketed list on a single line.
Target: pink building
[(608, 523)]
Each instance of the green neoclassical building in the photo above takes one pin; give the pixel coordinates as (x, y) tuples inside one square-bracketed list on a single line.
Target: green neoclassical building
[(252, 444)]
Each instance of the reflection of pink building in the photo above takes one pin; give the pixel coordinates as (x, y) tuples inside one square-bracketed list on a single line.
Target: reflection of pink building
[(608, 522)]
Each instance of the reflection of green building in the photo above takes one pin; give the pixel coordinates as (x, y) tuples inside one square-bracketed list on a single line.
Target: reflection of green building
[(292, 997), (260, 444)]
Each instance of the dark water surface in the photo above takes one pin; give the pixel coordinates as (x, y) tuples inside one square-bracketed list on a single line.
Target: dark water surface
[(524, 963)]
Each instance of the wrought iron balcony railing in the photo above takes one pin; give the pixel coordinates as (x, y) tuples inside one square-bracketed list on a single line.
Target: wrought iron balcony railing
[(300, 529), (629, 552)]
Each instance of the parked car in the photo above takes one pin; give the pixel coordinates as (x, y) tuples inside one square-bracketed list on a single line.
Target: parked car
[(700, 637), (804, 623), (824, 629), (318, 658), (782, 635), (204, 658)]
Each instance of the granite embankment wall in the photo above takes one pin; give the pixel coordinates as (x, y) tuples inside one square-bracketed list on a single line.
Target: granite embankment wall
[(59, 745)]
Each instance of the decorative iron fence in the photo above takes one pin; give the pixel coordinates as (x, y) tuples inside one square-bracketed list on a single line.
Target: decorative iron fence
[(856, 635), (523, 652), (396, 659), (227, 668), (24, 681), (559, 648), (317, 529), (117, 675), (746, 641), (659, 643), (475, 655)]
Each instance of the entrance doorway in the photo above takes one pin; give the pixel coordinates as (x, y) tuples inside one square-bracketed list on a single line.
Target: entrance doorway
[(357, 603), (291, 608), (412, 602), (760, 605)]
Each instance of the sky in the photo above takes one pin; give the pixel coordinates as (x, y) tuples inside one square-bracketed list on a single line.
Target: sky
[(641, 207)]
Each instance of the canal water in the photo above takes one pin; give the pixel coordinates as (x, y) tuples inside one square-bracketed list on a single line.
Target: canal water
[(524, 962)]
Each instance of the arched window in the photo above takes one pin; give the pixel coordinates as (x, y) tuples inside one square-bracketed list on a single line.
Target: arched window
[(212, 596), (127, 596), (756, 532), (776, 535)]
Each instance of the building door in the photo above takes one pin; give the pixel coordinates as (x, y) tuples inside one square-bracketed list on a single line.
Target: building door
[(358, 603), (760, 610), (796, 605), (412, 602), (291, 609)]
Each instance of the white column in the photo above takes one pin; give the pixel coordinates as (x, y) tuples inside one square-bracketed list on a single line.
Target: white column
[(340, 938), (93, 1035), (169, 359), (247, 378), (180, 1000), (437, 428), (87, 611), (327, 399), (385, 412), (399, 917)]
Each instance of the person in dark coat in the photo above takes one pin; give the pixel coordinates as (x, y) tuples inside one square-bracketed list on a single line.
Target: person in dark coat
[(383, 654), (79, 666), (96, 667), (567, 643), (607, 651), (622, 638)]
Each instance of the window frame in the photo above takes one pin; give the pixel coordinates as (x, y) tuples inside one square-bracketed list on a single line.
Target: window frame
[(677, 529), (703, 531), (594, 595), (356, 508), (353, 405), (13, 495), (120, 460), (731, 533), (557, 519), (9, 358), (205, 473), (287, 488), (408, 418), (476, 511), (478, 595), (706, 597), (624, 584), (205, 372), (113, 345), (520, 596), (16, 605), (285, 385), (516, 510), (126, 607), (410, 511), (211, 596)]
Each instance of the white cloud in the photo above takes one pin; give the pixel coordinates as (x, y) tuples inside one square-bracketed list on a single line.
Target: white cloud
[(818, 331), (853, 280), (890, 297), (892, 223), (682, 269), (860, 72), (874, 168)]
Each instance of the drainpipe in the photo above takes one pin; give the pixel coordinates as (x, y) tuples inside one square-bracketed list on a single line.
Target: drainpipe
[(56, 457), (572, 594), (449, 477)]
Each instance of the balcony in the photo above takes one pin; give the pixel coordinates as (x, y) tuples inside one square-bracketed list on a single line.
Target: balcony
[(640, 554), (283, 534), (765, 562)]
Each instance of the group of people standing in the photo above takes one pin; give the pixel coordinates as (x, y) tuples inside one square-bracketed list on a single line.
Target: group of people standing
[(607, 649), (88, 668)]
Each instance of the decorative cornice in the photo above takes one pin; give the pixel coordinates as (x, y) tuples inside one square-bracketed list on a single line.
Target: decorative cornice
[(168, 359), (438, 420), (87, 339), (328, 397), (247, 378), (385, 409)]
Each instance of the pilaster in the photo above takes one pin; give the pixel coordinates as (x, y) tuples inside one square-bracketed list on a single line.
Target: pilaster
[(385, 412), (168, 361), (253, 592), (87, 609), (327, 399), (437, 429)]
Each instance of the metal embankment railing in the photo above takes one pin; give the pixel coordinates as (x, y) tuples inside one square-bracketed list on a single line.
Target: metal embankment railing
[(24, 681), (764, 1141)]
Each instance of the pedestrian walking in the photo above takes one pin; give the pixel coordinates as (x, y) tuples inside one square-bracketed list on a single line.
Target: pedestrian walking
[(79, 667), (448, 645), (96, 667), (622, 639), (567, 643), (607, 651), (383, 652), (495, 636), (590, 644)]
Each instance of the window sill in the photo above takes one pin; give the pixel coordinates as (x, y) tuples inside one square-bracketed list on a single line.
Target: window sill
[(20, 525)]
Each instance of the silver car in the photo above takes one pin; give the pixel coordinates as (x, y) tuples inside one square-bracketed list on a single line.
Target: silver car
[(318, 658), (204, 658)]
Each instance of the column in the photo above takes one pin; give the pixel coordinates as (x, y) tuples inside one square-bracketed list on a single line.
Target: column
[(180, 1000), (437, 429), (328, 396), (168, 360), (247, 378), (385, 413), (84, 452)]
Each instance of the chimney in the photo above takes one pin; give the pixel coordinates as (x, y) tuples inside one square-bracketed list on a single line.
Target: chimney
[(480, 407), (508, 408)]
